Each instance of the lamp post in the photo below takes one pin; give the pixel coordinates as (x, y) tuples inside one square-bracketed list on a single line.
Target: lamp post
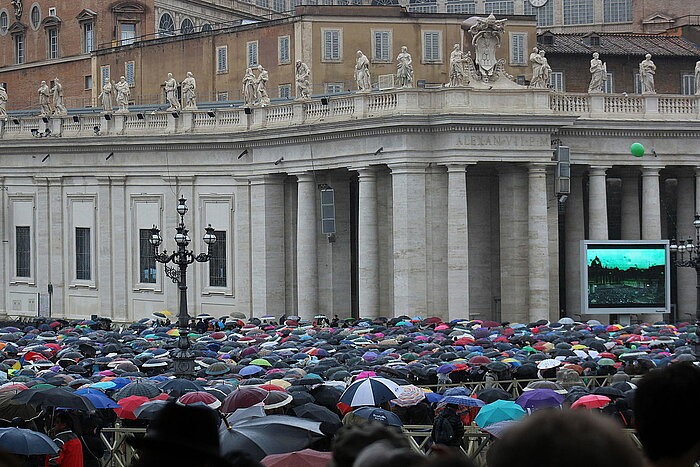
[(686, 254), (181, 258)]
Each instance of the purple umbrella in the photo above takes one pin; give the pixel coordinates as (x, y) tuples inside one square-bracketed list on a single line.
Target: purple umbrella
[(540, 398), (446, 368), (250, 370)]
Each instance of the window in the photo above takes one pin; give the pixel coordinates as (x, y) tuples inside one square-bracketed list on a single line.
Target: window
[(88, 82), (217, 262), (104, 74), (328, 211), (222, 59), (578, 11), (278, 5), (252, 53), (52, 34), (637, 84), (285, 91), (222, 96), (283, 49), (517, 48), (186, 27), (334, 88), (617, 11), (506, 7), (556, 81), (23, 242), (423, 6), (147, 262), (129, 73), (609, 85), (545, 14), (166, 25), (35, 17), (82, 254), (461, 6), (19, 48), (381, 49), (432, 46), (688, 84), (206, 27), (87, 37), (331, 44), (52, 11), (127, 33), (4, 21)]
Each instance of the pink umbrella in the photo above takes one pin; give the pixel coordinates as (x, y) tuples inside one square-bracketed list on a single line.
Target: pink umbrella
[(243, 398), (591, 401), (305, 458), (199, 398), (365, 374)]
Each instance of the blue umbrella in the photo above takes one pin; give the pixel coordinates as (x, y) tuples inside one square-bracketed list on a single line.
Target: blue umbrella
[(378, 415), (464, 401), (433, 397), (26, 442), (252, 370), (98, 398), (446, 368)]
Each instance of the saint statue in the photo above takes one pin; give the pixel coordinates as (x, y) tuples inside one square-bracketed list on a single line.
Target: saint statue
[(123, 93), (3, 103), (106, 96), (364, 83), (249, 87), (546, 70), (599, 73), (697, 78), (303, 80), (261, 87), (458, 75), (537, 61), (647, 70), (171, 93), (59, 107), (404, 69), (44, 95), (189, 94)]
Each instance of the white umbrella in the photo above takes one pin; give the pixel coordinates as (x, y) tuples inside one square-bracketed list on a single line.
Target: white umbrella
[(548, 363)]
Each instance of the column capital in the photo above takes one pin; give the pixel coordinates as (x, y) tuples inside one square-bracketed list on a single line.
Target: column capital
[(457, 166), (117, 180), (267, 179), (367, 171), (303, 177), (408, 168), (536, 168), (599, 170), (651, 171)]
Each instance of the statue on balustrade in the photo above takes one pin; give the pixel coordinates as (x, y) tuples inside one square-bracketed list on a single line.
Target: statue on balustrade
[(59, 108), (44, 96), (303, 80), (171, 93), (487, 36), (546, 69), (261, 87), (404, 69), (364, 81), (3, 103), (248, 87), (647, 70), (123, 93), (697, 78), (538, 62), (106, 96), (599, 74), (458, 72), (189, 92)]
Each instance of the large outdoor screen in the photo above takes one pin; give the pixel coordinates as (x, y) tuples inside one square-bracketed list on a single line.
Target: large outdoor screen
[(625, 277)]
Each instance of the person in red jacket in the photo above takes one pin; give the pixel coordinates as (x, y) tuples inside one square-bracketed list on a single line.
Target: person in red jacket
[(70, 447)]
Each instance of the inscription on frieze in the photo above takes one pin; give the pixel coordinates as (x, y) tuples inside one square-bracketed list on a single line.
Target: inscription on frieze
[(502, 141)]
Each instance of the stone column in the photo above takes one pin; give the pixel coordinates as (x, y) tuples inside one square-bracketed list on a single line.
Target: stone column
[(597, 203), (651, 204), (104, 246), (457, 243), (242, 246), (57, 254), (574, 233), (123, 310), (630, 205), (685, 277), (538, 243), (409, 238), (307, 250), (4, 233), (367, 244)]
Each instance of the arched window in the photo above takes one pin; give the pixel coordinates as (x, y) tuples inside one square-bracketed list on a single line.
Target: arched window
[(35, 16), (206, 27), (186, 27), (166, 25), (3, 23)]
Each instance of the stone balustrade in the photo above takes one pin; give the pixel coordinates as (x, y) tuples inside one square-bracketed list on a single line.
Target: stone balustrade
[(419, 102)]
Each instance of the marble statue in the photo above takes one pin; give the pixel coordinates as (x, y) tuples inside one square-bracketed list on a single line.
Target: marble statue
[(171, 93), (546, 69), (599, 74), (3, 103), (458, 75), (106, 96), (189, 92), (59, 107), (647, 70), (364, 82), (303, 80), (123, 93), (486, 38), (537, 61), (44, 95), (697, 78), (17, 4), (249, 87), (261, 87), (404, 68)]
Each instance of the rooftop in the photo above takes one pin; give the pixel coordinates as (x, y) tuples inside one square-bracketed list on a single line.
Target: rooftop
[(619, 44)]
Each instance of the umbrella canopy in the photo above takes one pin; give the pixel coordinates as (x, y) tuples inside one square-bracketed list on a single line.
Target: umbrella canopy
[(10, 409), (370, 391), (128, 405), (98, 398), (330, 421), (25, 442), (489, 395), (179, 386), (148, 410), (54, 397), (464, 401), (304, 458), (591, 401), (376, 414), (409, 395), (540, 398), (499, 411), (199, 398), (498, 429), (242, 398), (138, 388)]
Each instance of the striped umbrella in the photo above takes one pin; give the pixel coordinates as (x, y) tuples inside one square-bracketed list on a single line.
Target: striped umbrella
[(369, 391), (408, 395)]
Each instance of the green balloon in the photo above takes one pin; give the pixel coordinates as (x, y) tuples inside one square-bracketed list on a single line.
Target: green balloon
[(637, 150)]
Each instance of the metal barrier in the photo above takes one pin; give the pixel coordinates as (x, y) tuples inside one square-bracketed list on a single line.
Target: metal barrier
[(118, 453)]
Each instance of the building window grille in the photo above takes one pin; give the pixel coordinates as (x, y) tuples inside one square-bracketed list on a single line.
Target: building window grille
[(217, 262), (578, 11), (23, 242), (83, 259)]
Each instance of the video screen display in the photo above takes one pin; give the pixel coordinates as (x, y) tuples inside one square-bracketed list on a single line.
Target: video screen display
[(622, 276)]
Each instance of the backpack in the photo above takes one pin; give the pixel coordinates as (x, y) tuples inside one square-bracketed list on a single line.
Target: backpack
[(442, 433)]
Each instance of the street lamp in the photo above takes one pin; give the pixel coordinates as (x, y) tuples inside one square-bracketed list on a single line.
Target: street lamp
[(182, 257), (686, 254)]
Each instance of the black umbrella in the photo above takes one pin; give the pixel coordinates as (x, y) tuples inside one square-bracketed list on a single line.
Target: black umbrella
[(54, 397), (608, 391), (178, 386), (330, 421), (327, 396), (301, 398), (10, 409), (489, 395), (138, 388)]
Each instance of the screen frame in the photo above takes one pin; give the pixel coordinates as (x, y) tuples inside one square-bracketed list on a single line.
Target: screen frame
[(583, 261)]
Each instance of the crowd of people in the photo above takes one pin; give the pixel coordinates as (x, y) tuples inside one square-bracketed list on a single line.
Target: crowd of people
[(339, 391)]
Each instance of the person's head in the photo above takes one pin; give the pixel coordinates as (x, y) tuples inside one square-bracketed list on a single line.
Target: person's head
[(351, 439), (43, 83), (666, 399), (260, 67), (648, 56), (62, 422), (542, 53), (569, 437), (382, 453)]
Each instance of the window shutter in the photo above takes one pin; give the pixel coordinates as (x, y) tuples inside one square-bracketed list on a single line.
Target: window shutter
[(432, 46), (284, 49), (327, 45), (222, 64), (336, 45), (517, 48), (129, 71), (105, 75), (385, 45), (378, 45)]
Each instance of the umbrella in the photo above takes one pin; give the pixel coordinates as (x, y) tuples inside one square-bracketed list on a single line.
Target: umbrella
[(489, 395), (548, 363), (178, 386), (540, 398), (409, 395), (10, 409), (274, 434), (138, 388), (463, 401), (370, 391), (148, 410), (242, 398), (128, 405), (250, 370), (498, 429), (199, 398), (591, 401), (54, 397), (304, 458), (98, 398), (375, 414), (25, 442), (330, 421), (238, 315), (499, 411), (244, 414)]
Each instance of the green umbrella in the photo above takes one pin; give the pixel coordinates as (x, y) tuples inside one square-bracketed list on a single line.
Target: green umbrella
[(260, 362)]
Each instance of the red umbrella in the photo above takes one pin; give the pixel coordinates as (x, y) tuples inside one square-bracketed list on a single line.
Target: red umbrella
[(271, 387), (199, 398), (305, 458), (479, 360), (128, 405), (591, 401), (242, 398)]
